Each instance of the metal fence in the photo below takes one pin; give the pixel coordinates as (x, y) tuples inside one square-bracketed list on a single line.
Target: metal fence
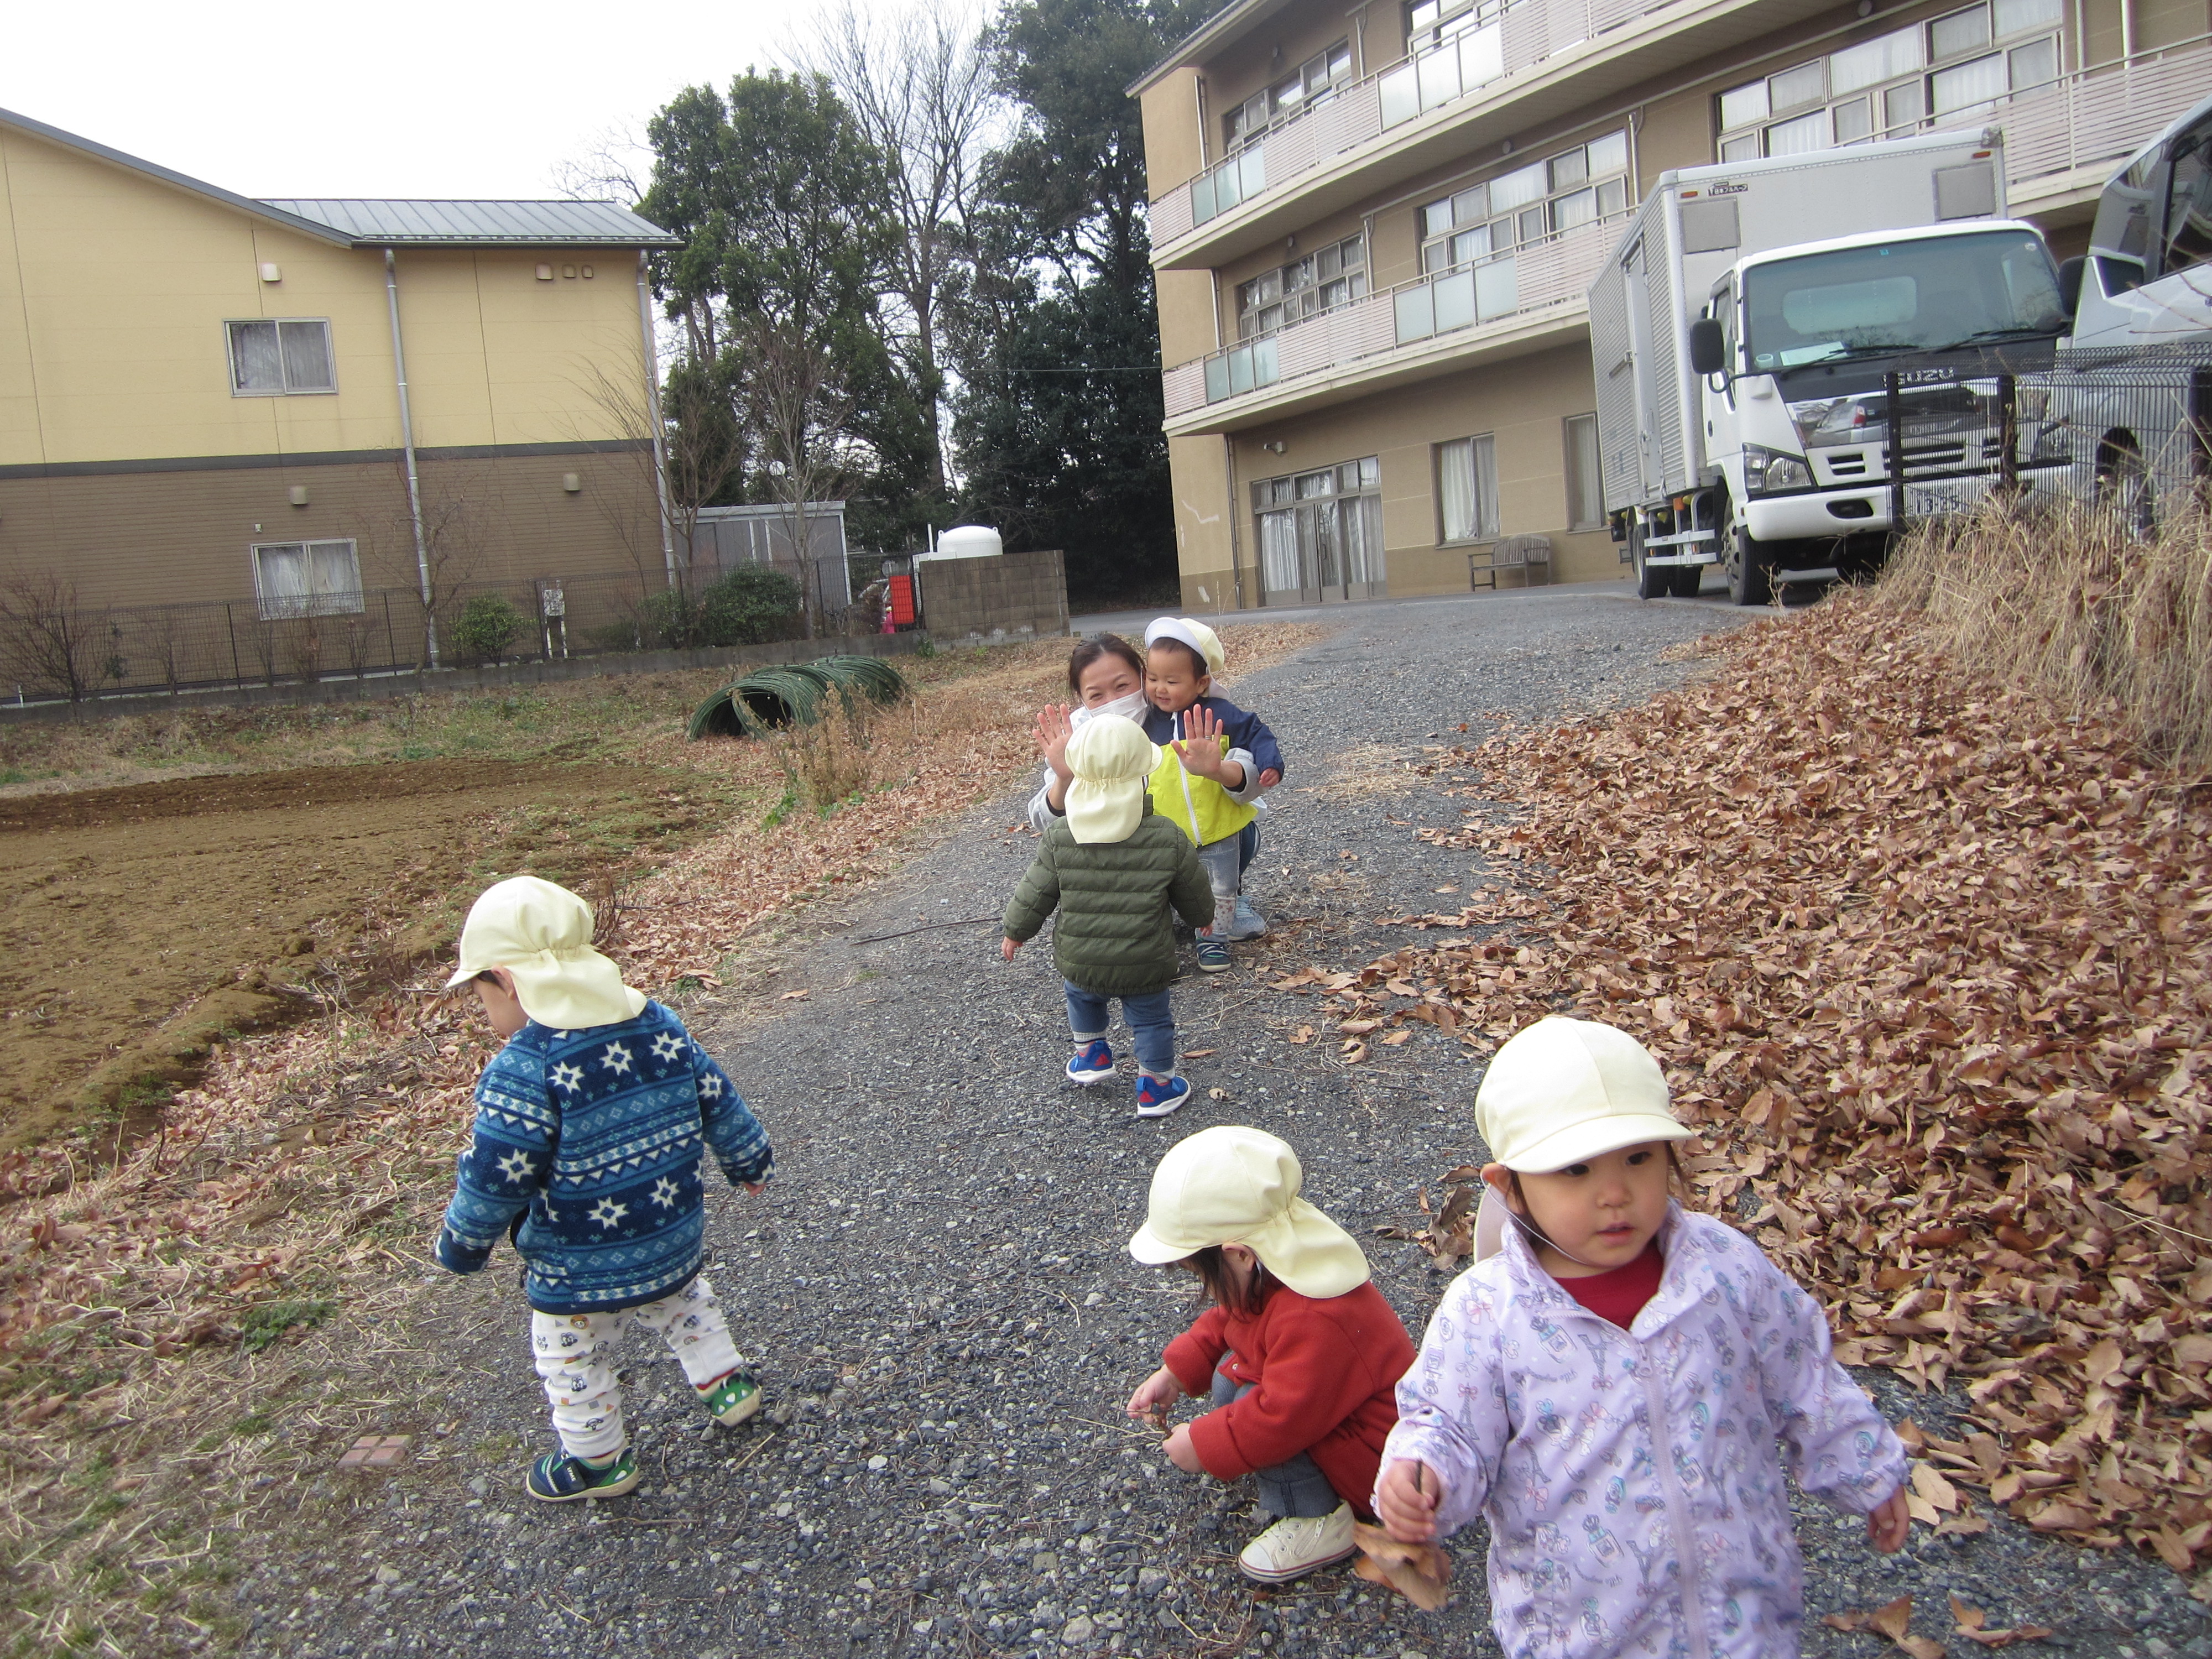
[(53, 648), (2137, 423)]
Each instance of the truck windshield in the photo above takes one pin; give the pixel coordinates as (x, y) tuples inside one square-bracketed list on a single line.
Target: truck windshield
[(1918, 294)]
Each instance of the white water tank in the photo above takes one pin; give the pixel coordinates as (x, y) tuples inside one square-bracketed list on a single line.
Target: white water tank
[(967, 541)]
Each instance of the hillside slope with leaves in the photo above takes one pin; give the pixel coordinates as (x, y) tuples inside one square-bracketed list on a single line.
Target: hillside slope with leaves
[(1923, 961)]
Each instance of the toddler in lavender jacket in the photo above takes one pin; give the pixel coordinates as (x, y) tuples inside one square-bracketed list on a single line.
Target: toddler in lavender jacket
[(1617, 1386)]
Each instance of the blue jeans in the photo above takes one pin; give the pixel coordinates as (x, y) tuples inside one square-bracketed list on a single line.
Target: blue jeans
[(1295, 1486), (1151, 1024)]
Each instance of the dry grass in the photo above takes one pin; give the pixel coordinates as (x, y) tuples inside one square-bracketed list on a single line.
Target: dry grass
[(285, 1202), (2080, 606)]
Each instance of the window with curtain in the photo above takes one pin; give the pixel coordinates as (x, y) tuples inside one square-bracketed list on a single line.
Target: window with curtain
[(1466, 488), (1889, 86), (1585, 499), (307, 579), (279, 355)]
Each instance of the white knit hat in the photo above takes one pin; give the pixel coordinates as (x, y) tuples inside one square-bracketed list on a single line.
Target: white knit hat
[(542, 934), (1232, 1185)]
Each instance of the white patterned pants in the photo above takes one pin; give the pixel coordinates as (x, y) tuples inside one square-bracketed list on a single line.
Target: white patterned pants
[(575, 1354)]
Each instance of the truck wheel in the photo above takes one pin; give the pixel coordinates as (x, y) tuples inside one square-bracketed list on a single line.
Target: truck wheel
[(2124, 486), (1651, 583), (1749, 563), (1686, 579)]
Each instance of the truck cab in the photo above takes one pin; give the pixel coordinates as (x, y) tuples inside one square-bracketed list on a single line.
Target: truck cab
[(1797, 412)]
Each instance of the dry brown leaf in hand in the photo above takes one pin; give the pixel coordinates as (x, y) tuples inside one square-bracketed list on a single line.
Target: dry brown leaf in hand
[(1419, 1572)]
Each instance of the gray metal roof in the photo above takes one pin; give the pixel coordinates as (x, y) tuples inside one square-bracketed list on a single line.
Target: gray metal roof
[(386, 223), (480, 224)]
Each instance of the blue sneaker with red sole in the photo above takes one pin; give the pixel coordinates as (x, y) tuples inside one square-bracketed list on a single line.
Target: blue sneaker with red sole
[(1157, 1096), (1092, 1063)]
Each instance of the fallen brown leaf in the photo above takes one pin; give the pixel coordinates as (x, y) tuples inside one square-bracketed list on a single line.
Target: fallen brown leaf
[(1419, 1572)]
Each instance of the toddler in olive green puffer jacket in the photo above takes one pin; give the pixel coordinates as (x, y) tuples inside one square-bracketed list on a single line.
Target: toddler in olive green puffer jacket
[(1114, 869)]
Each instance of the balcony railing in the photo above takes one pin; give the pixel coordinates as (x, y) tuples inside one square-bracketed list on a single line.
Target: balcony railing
[(2088, 117), (1537, 277), (1525, 31), (2096, 118)]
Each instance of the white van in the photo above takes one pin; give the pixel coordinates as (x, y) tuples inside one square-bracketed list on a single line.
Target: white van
[(2134, 381)]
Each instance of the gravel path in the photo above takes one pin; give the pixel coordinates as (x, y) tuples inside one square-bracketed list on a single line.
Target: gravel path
[(947, 1320)]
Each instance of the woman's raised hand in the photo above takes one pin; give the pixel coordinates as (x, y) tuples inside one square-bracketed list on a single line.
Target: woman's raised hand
[(1054, 729)]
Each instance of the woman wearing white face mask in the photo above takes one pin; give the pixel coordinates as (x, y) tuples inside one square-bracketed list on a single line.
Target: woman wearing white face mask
[(1108, 678)]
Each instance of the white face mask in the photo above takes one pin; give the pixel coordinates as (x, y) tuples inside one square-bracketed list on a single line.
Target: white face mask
[(1131, 708)]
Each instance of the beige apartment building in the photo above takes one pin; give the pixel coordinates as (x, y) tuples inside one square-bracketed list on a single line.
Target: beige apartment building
[(1373, 227), (282, 407)]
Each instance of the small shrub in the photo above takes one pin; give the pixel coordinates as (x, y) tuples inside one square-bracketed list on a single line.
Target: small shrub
[(261, 1327), (489, 624), (748, 604), (830, 760)]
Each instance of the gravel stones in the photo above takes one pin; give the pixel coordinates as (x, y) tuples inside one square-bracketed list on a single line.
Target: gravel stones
[(937, 1292)]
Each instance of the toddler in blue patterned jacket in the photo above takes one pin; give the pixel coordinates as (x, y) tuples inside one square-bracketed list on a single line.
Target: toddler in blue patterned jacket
[(589, 1127)]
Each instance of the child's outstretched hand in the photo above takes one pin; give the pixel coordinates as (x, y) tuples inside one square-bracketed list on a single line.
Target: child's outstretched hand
[(1153, 1396), (1887, 1523), (1054, 729), (1007, 947), (1201, 752), (1406, 1500)]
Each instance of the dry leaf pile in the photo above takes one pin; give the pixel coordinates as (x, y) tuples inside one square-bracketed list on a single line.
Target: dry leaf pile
[(1925, 963), (1893, 1622)]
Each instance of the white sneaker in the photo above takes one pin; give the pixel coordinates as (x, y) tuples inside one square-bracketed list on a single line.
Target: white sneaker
[(1299, 1544), (1244, 922)]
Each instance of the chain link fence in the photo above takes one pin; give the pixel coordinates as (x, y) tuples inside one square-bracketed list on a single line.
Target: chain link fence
[(54, 648)]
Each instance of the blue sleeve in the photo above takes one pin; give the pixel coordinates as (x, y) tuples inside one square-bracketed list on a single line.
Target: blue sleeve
[(509, 1157), (740, 1144), (1250, 733)]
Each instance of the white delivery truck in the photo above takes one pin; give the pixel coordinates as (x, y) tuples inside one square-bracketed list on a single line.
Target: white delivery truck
[(1744, 335), (2132, 390)]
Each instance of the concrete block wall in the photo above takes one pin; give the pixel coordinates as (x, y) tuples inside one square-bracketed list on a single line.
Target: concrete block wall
[(1014, 596)]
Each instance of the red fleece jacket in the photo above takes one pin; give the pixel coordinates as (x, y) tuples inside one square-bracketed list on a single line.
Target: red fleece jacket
[(1327, 1373)]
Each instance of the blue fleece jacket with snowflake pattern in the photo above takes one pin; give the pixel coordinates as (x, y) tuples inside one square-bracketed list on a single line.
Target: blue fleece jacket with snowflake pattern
[(586, 1152)]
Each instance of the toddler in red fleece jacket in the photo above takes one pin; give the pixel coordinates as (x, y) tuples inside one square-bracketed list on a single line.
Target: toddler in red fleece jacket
[(1300, 1354)]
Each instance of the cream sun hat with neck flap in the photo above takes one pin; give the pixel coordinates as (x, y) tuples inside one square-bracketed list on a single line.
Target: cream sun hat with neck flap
[(542, 934), (1232, 1185), (1111, 758), (1193, 633)]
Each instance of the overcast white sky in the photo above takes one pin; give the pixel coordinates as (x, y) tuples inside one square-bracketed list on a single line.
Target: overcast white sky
[(427, 98)]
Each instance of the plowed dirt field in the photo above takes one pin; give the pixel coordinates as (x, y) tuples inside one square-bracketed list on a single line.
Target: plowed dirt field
[(141, 921)]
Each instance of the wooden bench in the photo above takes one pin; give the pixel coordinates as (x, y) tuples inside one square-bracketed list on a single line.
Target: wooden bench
[(1522, 553)]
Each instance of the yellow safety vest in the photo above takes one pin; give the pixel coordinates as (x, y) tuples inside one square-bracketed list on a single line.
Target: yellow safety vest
[(1199, 807)]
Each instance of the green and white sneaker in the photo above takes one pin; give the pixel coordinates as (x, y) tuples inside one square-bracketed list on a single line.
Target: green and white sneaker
[(732, 1398), (558, 1478)]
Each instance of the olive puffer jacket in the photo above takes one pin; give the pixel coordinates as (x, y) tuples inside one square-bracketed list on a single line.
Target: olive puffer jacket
[(1114, 939)]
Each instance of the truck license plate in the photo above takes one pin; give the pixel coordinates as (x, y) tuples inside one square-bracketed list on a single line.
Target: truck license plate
[(1943, 497)]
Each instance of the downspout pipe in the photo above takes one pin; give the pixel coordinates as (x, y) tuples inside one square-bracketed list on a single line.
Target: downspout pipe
[(652, 413), (407, 443)]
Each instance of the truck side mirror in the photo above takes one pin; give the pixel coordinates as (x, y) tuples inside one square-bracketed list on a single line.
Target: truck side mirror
[(2069, 283), (1708, 348)]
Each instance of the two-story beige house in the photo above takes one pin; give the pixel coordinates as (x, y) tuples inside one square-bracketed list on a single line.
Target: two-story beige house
[(290, 407), (1373, 227)]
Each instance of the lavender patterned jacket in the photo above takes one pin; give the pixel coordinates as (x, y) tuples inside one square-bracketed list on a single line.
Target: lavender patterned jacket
[(1633, 1479)]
